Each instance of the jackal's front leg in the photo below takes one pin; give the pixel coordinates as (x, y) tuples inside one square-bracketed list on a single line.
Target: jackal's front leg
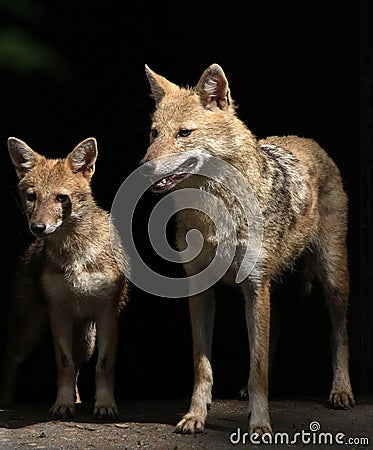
[(258, 324), (107, 336), (62, 331), (202, 310)]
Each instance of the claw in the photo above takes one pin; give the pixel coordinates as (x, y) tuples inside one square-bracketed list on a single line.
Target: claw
[(342, 400), (190, 424), (261, 429), (62, 412), (105, 412)]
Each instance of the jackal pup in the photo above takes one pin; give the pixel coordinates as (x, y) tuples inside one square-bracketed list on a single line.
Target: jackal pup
[(69, 273), (304, 211)]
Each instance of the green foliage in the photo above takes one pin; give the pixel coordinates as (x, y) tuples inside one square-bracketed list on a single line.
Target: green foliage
[(20, 51)]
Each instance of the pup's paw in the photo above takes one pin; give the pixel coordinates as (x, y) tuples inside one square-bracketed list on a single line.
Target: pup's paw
[(105, 412), (190, 424), (342, 399), (62, 412)]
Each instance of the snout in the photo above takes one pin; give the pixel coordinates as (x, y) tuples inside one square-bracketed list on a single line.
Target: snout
[(38, 228), (166, 172), (147, 168), (41, 229)]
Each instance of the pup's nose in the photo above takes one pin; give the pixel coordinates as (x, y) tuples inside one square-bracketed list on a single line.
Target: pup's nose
[(147, 168), (38, 228)]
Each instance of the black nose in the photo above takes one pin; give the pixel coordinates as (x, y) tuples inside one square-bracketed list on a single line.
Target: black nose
[(147, 168), (38, 228)]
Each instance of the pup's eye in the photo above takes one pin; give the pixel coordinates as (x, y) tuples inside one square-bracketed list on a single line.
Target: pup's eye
[(31, 197), (184, 132), (154, 133), (62, 198)]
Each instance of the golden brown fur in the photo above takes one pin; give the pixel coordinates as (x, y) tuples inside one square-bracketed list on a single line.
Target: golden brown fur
[(70, 273), (303, 208)]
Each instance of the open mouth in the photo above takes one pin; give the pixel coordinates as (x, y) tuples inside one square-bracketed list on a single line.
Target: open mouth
[(169, 181)]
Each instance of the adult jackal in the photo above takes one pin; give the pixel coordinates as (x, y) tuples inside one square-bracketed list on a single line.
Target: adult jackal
[(303, 207)]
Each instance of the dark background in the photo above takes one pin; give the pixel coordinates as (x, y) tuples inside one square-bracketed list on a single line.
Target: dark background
[(70, 70)]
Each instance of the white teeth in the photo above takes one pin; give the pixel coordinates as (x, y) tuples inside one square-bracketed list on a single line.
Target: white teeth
[(168, 181), (162, 182)]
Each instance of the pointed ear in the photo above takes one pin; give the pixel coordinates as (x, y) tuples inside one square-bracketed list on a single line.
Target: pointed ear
[(159, 85), (213, 88), (83, 157), (22, 156)]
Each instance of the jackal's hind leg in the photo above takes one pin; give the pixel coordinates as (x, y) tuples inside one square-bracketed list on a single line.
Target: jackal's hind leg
[(83, 347), (341, 396), (334, 276)]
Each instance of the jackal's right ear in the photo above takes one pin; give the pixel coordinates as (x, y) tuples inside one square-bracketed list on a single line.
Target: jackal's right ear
[(22, 156), (159, 85), (83, 157), (213, 88)]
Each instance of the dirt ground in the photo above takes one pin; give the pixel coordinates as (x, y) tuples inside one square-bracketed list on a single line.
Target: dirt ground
[(150, 424)]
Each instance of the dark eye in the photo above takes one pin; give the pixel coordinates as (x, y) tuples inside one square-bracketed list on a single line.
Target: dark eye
[(31, 197), (184, 133), (154, 133), (62, 198)]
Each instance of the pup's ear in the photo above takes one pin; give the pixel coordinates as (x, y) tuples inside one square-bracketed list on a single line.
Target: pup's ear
[(159, 85), (83, 157), (22, 156), (213, 88)]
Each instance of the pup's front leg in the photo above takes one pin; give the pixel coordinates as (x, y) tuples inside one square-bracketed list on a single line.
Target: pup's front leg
[(258, 324), (202, 311), (107, 336), (62, 331)]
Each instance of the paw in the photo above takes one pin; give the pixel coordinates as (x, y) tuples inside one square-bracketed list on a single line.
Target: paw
[(342, 400), (190, 424), (105, 412), (260, 425), (261, 429), (62, 412)]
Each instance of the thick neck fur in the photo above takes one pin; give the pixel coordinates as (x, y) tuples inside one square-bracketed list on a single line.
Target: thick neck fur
[(84, 236)]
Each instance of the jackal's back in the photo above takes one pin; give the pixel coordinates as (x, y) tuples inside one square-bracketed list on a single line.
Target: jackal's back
[(302, 193)]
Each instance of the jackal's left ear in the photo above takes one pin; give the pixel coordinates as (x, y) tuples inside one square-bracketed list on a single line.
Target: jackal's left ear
[(83, 157), (22, 156), (159, 85), (213, 88)]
